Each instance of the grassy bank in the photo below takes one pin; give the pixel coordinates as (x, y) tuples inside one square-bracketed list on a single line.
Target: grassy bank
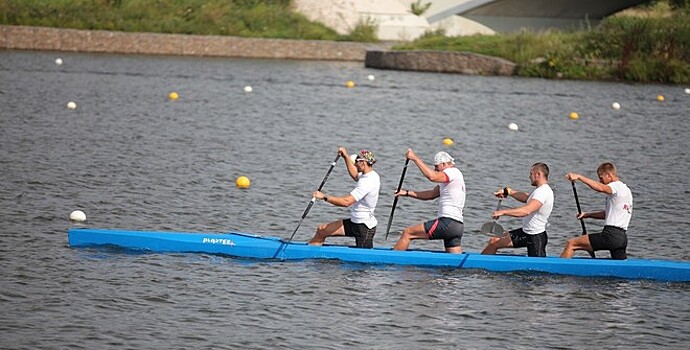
[(645, 44), (244, 18), (648, 44)]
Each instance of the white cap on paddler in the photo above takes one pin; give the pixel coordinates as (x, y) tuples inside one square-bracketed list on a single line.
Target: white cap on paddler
[(443, 157)]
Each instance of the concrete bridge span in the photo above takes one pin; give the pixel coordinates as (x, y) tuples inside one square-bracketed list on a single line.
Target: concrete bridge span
[(511, 15), (396, 21)]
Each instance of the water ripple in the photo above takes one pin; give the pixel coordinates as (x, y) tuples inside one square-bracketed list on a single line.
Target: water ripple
[(131, 159)]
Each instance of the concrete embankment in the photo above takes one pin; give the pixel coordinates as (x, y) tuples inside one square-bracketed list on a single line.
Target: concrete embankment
[(439, 61), (375, 55), (101, 41)]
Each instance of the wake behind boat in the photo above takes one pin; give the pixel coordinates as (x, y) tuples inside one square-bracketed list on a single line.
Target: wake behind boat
[(245, 245)]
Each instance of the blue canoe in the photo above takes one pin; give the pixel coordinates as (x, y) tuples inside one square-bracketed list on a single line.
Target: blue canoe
[(259, 247)]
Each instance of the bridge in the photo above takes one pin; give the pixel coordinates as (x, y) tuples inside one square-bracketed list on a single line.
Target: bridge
[(396, 22), (512, 15)]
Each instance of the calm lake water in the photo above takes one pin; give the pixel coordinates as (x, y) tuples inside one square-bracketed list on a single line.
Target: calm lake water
[(131, 158)]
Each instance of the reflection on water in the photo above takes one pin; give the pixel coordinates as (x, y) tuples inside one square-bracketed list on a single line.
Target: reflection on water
[(131, 158)]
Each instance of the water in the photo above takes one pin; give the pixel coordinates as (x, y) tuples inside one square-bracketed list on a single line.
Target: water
[(132, 159)]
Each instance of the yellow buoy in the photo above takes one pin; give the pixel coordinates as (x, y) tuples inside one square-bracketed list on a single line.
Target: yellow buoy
[(350, 84), (173, 96), (448, 141), (660, 98), (242, 182), (574, 116)]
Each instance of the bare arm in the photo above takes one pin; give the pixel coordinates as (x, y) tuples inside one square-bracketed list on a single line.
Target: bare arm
[(593, 184), (421, 195), (518, 195), (601, 214), (509, 192), (532, 206), (344, 201), (429, 173), (351, 169)]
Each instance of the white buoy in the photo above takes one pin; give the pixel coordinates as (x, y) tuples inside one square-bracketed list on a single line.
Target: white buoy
[(77, 215), (616, 105), (371, 77), (248, 89), (58, 61), (687, 91), (71, 105), (513, 126)]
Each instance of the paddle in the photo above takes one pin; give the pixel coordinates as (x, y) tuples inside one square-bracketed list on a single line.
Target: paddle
[(579, 211), (493, 229), (313, 199), (395, 201)]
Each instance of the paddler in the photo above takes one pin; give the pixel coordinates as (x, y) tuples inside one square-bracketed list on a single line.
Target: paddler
[(361, 200), (535, 215), (450, 190), (616, 215)]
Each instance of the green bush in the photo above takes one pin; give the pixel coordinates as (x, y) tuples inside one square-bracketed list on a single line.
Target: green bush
[(647, 49), (364, 31), (640, 48)]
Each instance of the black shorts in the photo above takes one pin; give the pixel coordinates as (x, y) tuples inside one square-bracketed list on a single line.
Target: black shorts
[(364, 236), (536, 244), (447, 229), (611, 238)]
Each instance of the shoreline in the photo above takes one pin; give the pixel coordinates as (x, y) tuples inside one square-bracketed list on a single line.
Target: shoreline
[(373, 55)]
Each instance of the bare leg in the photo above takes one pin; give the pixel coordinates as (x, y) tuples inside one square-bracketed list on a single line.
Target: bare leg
[(577, 243), (334, 228), (496, 243), (454, 250), (408, 234)]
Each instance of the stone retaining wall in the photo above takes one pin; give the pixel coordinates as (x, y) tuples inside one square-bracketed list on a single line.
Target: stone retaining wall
[(439, 61), (54, 39), (374, 55)]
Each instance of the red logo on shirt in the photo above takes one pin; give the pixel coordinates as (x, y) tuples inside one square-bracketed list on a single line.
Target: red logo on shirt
[(627, 208)]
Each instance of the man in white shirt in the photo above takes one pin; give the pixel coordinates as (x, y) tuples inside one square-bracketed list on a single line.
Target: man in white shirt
[(535, 215), (448, 225), (361, 200), (616, 215)]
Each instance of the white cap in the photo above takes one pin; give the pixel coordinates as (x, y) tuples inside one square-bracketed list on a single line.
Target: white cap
[(443, 157), (353, 158)]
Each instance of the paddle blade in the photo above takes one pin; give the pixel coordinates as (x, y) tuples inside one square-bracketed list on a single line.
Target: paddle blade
[(492, 229)]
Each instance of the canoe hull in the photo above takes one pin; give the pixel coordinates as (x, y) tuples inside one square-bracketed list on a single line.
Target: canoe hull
[(244, 245)]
